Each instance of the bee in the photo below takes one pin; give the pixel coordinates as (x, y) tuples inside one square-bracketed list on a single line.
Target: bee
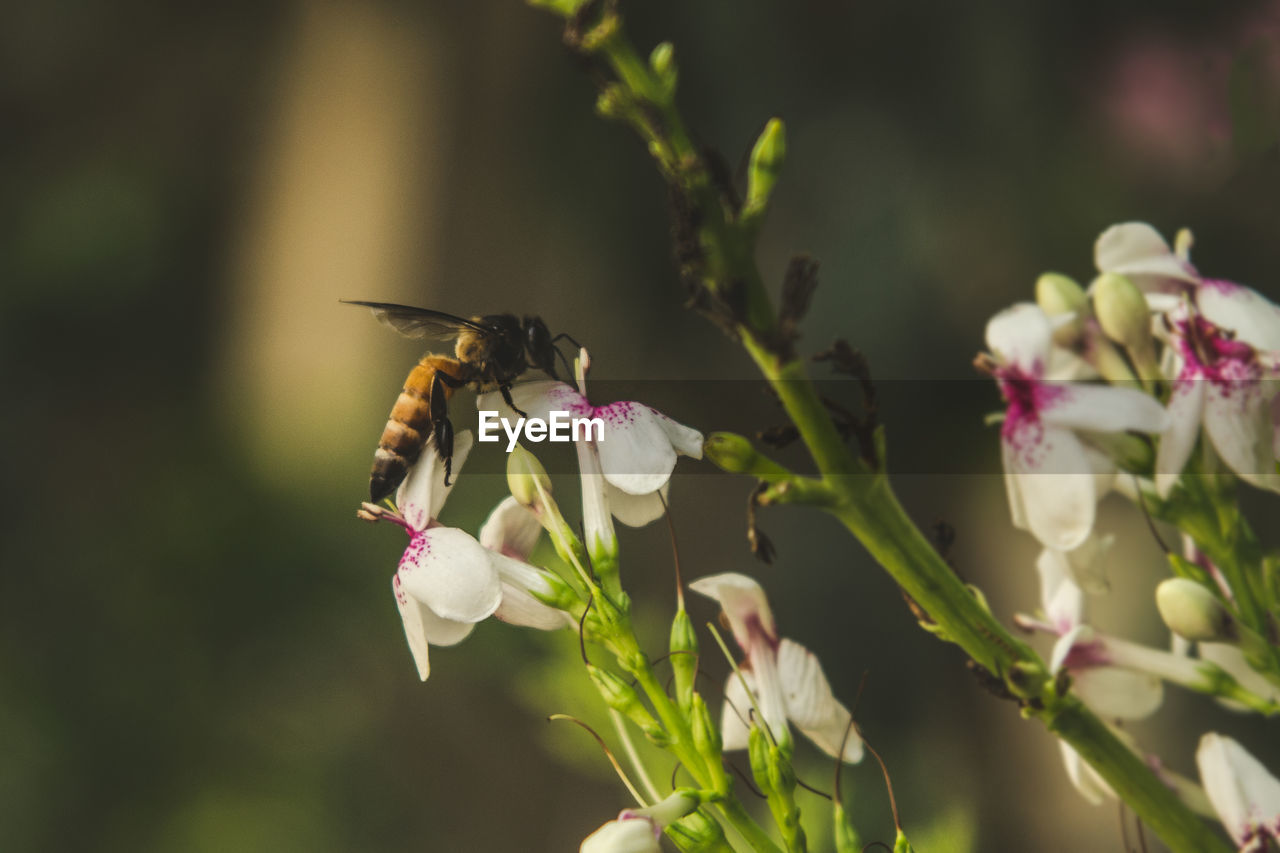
[(489, 352)]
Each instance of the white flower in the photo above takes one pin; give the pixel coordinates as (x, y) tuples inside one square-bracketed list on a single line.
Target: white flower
[(1138, 252), (784, 677), (1050, 474), (1226, 385), (1245, 796), (447, 581), (628, 834), (1094, 660), (637, 450), (638, 830)]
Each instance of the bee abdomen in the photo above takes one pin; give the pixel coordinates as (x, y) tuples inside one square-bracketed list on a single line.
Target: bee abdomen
[(407, 430)]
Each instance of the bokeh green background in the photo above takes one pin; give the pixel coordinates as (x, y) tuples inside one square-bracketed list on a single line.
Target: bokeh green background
[(200, 651)]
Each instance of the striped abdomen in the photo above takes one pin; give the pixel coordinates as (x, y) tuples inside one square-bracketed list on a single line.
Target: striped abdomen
[(409, 425)]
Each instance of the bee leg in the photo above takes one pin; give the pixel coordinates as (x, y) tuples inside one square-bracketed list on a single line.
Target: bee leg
[(506, 398), (441, 427)]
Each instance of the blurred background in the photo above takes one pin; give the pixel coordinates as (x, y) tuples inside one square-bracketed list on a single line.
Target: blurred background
[(200, 651)]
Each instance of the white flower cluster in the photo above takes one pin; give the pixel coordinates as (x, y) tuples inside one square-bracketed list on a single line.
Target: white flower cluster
[(1117, 387)]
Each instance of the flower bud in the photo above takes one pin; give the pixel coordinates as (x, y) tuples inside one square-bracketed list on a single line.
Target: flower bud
[(767, 158), (633, 834), (684, 657), (1122, 311), (706, 737), (623, 698), (698, 832), (1059, 294), (1192, 612), (729, 452), (662, 61), (524, 476)]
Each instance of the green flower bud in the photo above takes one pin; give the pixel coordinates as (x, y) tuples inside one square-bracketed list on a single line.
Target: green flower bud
[(729, 452), (698, 833), (1194, 613), (706, 737), (767, 158), (1059, 294), (684, 657), (846, 837), (524, 475), (758, 755), (622, 697), (663, 62), (1122, 311)]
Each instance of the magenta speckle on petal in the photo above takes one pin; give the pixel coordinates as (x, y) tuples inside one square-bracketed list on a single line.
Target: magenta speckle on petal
[(1086, 656), (1028, 396), (1221, 285), (419, 548)]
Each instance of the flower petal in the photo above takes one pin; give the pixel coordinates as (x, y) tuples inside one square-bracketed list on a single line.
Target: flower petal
[(811, 705), (423, 491), (687, 441), (411, 614), (1137, 250), (1116, 693), (1021, 336), (1085, 779), (519, 605), (452, 574), (1054, 483), (1252, 317), (636, 510), (1102, 409), (1237, 417), (1245, 796), (735, 718), (1060, 596), (630, 835), (536, 400), (744, 604), (635, 452), (1073, 636), (1186, 413), (1233, 661), (511, 529)]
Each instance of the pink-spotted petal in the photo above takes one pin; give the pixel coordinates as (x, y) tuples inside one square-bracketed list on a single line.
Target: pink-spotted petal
[(423, 491), (1021, 336), (1244, 794), (411, 614), (1114, 693), (735, 719), (1186, 413), (744, 604), (1237, 418), (1099, 408), (452, 574), (1136, 250), (1235, 308), (635, 453), (812, 707), (511, 530), (1052, 484), (536, 400)]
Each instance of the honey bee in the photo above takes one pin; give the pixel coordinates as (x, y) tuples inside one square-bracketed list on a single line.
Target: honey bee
[(489, 352)]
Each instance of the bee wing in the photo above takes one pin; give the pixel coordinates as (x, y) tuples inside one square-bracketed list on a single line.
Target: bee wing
[(419, 322)]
